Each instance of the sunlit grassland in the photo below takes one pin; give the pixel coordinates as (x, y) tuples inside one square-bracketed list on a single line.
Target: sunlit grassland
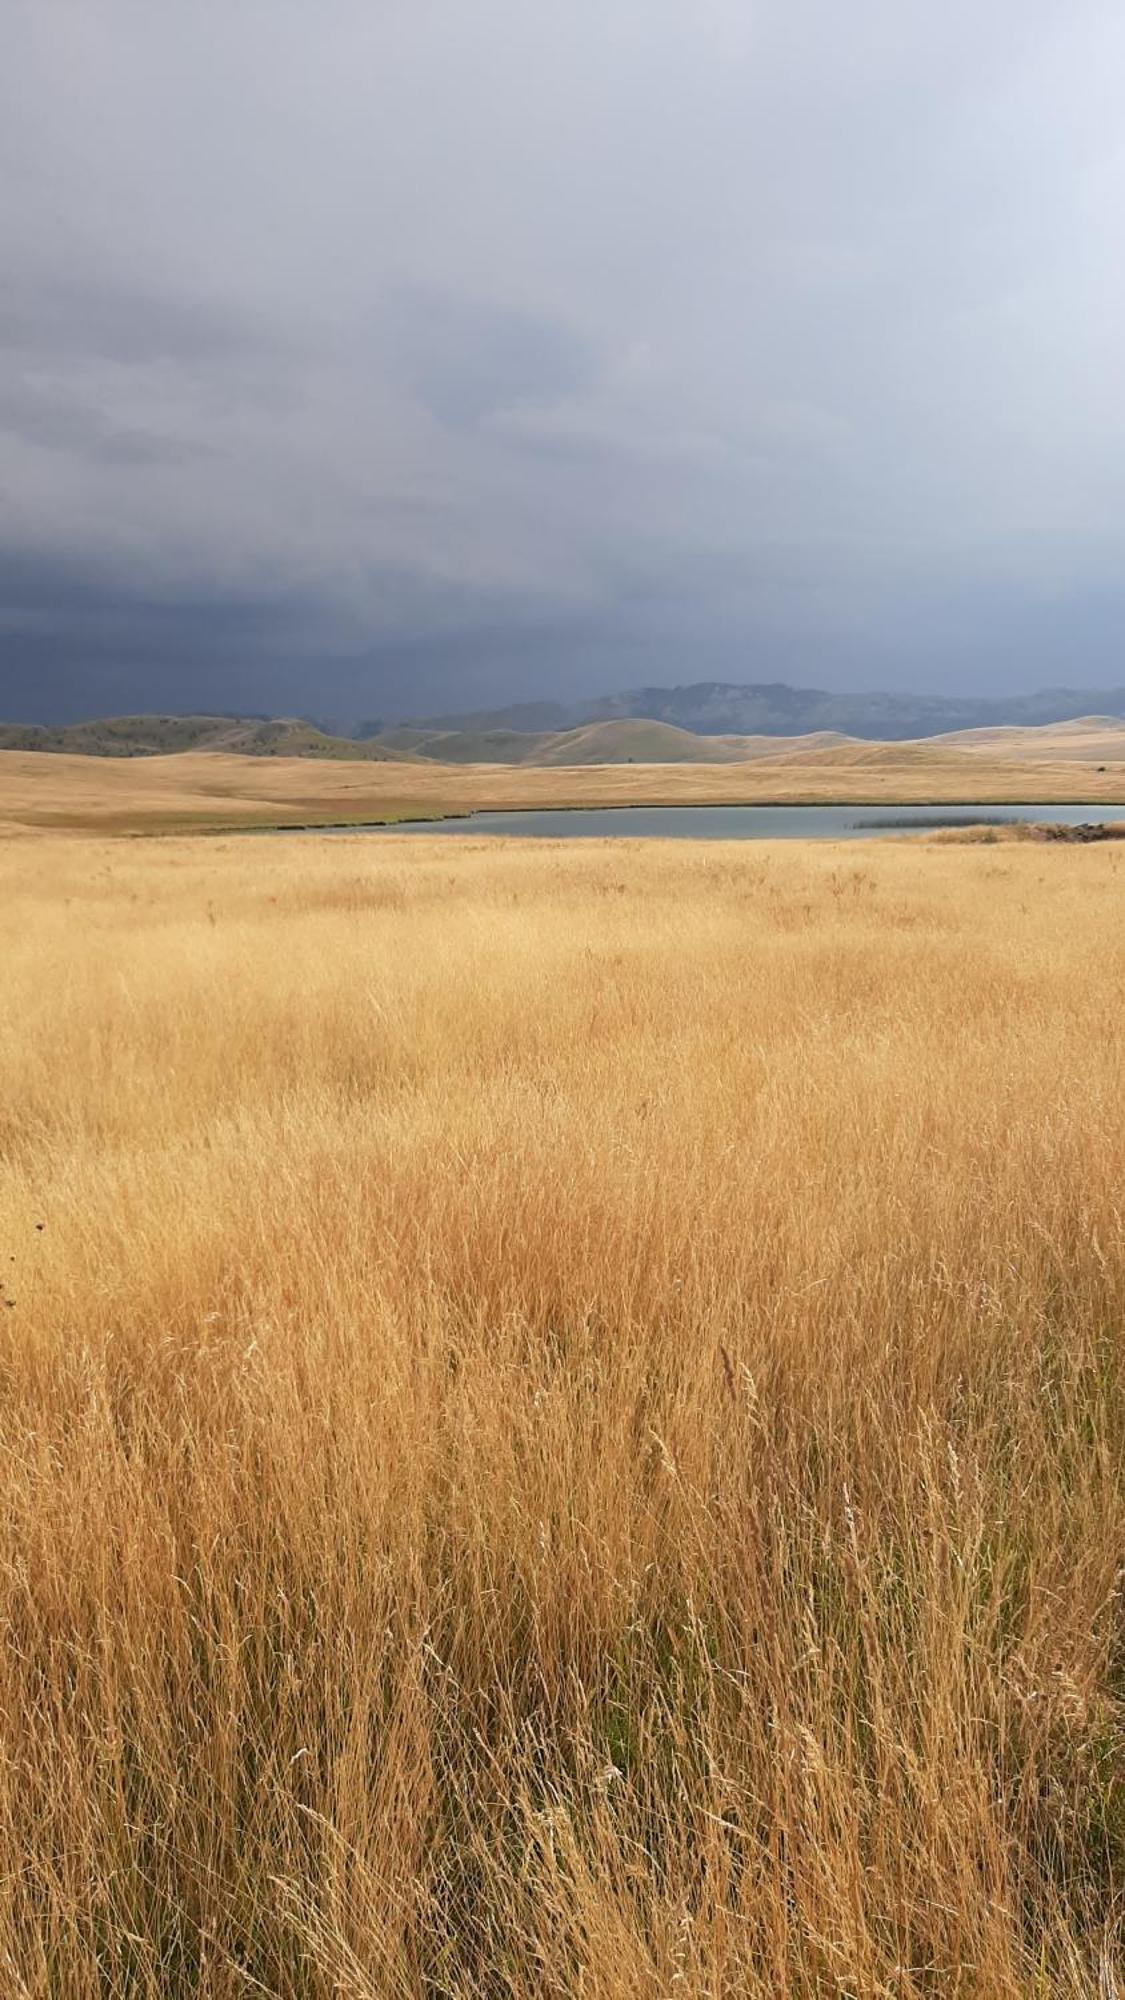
[(563, 1418)]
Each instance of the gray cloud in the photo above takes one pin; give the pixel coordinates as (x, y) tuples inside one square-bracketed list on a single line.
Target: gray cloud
[(40, 416), (466, 359), (55, 316), (518, 349)]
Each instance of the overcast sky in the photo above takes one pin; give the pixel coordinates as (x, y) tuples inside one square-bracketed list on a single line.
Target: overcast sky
[(372, 357)]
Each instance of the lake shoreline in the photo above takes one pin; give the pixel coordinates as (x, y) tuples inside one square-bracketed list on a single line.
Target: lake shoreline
[(1074, 820)]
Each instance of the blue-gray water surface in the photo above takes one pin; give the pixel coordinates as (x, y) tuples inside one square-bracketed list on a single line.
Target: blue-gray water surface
[(753, 822)]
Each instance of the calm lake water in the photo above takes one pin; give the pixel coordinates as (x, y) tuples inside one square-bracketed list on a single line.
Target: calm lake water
[(752, 822)]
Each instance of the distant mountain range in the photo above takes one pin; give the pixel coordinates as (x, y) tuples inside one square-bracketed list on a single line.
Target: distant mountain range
[(723, 708)]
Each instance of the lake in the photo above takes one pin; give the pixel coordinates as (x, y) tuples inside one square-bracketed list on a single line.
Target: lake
[(751, 822)]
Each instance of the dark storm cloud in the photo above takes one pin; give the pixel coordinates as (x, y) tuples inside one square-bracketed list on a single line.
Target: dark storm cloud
[(374, 358)]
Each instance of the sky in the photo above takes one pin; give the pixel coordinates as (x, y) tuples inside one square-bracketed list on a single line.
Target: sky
[(375, 358)]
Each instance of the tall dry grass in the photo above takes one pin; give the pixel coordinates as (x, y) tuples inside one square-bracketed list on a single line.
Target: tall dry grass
[(562, 1420)]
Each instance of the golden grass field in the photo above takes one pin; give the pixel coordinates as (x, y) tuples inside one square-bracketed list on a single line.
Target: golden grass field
[(563, 1420), (1080, 762)]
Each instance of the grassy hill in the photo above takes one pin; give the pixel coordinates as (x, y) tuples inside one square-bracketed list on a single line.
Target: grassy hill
[(633, 740), (636, 740), (468, 746), (853, 756)]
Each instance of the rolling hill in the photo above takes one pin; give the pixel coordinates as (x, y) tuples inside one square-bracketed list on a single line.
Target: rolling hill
[(1087, 739), (1094, 740), (632, 740), (636, 740), (721, 708)]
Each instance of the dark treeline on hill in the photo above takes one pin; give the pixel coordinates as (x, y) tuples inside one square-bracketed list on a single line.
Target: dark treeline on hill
[(165, 735), (718, 708)]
